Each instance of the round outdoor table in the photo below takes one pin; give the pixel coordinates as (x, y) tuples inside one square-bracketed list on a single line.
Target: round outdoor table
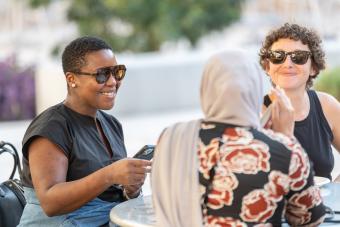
[(134, 213), (139, 212)]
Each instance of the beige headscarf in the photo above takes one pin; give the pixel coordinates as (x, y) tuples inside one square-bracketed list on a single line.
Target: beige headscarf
[(232, 89), (231, 92)]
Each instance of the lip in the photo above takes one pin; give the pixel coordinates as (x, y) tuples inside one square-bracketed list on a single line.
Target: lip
[(111, 93), (288, 74)]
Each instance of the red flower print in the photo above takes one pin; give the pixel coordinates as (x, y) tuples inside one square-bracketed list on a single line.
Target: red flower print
[(236, 136), (307, 199), (247, 159), (299, 166), (257, 207), (278, 185), (224, 179), (298, 169), (223, 184), (217, 199), (279, 137), (208, 156), (299, 204), (213, 221), (298, 216)]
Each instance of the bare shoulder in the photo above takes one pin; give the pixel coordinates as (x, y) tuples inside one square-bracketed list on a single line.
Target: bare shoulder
[(327, 100), (330, 107)]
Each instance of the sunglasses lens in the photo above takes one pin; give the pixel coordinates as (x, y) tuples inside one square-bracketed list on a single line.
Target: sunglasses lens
[(103, 75), (277, 57), (300, 57), (119, 72)]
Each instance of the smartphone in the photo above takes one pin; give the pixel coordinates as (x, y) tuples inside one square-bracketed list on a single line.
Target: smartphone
[(266, 116), (145, 152)]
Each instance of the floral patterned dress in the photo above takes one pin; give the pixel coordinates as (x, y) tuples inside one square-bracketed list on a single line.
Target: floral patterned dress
[(255, 178)]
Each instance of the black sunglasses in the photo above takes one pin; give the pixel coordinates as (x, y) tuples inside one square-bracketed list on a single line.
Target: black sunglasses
[(299, 57), (103, 74)]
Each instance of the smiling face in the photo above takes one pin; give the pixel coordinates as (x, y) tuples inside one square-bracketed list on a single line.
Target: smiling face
[(90, 95), (288, 75)]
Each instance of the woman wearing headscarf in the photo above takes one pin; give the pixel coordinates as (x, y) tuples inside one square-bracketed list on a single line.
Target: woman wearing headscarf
[(225, 169)]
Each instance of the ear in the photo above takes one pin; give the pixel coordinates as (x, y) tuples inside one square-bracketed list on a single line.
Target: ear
[(313, 72), (70, 79)]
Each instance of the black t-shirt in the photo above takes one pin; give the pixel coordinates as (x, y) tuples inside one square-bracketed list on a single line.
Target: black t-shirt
[(77, 136), (315, 136)]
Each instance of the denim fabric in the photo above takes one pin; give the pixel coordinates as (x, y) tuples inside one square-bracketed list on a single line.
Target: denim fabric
[(94, 213)]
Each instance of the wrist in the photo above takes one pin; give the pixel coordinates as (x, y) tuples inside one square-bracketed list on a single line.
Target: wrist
[(109, 175)]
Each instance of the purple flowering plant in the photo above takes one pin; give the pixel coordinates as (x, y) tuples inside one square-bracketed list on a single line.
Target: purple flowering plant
[(17, 91)]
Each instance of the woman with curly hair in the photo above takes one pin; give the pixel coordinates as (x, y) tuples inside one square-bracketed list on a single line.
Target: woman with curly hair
[(292, 56)]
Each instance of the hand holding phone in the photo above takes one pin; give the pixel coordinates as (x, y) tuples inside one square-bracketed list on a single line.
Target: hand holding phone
[(145, 152)]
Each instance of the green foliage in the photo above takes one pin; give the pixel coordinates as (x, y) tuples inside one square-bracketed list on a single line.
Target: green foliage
[(329, 82), (36, 3), (143, 25)]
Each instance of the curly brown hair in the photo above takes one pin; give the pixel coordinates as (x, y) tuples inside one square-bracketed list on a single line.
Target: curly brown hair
[(296, 32)]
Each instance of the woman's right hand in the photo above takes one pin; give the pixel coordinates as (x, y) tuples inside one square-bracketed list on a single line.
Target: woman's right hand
[(129, 171)]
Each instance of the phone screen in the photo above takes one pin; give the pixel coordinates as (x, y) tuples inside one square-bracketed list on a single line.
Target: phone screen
[(145, 152)]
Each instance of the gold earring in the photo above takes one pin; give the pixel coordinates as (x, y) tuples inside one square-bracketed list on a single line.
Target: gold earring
[(73, 85)]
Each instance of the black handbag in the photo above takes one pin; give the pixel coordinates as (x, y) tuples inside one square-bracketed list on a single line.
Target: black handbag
[(12, 200)]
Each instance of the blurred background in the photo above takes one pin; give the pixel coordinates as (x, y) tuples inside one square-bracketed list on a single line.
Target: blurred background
[(164, 45)]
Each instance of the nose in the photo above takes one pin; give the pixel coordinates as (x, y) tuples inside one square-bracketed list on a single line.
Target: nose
[(288, 61), (111, 81)]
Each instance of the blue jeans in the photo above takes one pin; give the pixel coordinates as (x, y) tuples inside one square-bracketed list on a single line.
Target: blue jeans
[(94, 213)]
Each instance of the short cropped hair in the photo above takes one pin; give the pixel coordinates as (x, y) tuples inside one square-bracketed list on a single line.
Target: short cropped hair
[(73, 57), (296, 32)]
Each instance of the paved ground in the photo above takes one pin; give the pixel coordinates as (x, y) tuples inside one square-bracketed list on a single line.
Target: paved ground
[(138, 131)]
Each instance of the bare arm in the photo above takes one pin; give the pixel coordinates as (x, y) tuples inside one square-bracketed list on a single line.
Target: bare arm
[(49, 165), (331, 109)]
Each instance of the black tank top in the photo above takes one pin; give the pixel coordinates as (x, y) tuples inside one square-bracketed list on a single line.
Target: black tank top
[(315, 136)]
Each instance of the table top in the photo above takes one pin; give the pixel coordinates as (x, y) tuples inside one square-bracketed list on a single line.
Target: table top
[(134, 213), (331, 195), (139, 212)]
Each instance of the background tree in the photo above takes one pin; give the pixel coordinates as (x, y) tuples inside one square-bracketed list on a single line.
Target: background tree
[(143, 25)]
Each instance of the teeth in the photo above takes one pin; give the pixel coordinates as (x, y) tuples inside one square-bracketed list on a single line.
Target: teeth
[(110, 94)]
